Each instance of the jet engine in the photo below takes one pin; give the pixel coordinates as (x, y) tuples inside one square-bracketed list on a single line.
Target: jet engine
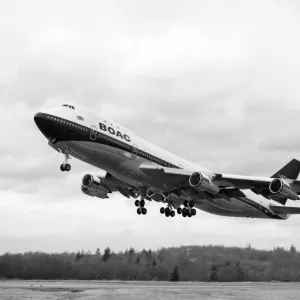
[(282, 189), (202, 182), (92, 186)]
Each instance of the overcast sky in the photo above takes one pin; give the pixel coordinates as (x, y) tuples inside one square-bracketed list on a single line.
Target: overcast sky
[(216, 82)]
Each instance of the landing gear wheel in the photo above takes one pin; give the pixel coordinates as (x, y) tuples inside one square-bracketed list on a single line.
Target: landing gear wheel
[(137, 203), (139, 211), (167, 213), (172, 213), (184, 214), (168, 210), (144, 210), (142, 203), (62, 168), (67, 167), (192, 204), (162, 210), (189, 214), (186, 203), (179, 210), (193, 211)]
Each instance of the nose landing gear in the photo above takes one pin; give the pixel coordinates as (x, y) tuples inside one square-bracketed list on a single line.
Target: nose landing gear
[(65, 166)]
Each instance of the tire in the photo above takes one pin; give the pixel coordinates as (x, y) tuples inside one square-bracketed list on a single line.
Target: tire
[(137, 203), (142, 203), (68, 167), (179, 210), (193, 212), (139, 211), (144, 210), (184, 214), (168, 209), (172, 213), (62, 168), (192, 204), (167, 213), (189, 214), (162, 210), (186, 203)]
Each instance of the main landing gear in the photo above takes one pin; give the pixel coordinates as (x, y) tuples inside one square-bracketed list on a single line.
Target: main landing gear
[(168, 211), (65, 166), (187, 211), (141, 204), (141, 207)]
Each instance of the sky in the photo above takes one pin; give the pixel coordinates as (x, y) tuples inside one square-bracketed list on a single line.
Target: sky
[(216, 82)]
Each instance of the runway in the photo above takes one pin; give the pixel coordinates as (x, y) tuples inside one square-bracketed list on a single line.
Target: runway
[(19, 289)]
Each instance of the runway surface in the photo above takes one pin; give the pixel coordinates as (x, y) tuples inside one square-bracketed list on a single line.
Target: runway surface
[(19, 289)]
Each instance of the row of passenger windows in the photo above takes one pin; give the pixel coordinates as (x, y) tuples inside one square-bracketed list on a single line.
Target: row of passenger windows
[(124, 145), (68, 123)]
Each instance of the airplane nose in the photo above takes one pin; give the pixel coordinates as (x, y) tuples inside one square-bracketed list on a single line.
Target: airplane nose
[(38, 119), (41, 122)]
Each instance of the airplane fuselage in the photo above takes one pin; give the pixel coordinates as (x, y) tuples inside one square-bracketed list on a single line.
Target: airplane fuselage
[(115, 149)]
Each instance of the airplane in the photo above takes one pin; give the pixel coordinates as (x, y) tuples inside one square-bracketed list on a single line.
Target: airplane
[(139, 170)]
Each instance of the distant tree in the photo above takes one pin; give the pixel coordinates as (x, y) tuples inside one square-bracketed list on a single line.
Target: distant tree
[(239, 272), (293, 250), (97, 251), (131, 251), (174, 276), (138, 260), (154, 263), (79, 255), (213, 273), (107, 254)]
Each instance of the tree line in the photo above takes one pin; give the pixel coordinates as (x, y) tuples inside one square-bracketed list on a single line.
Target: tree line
[(186, 263)]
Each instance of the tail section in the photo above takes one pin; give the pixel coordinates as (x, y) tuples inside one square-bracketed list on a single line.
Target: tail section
[(291, 170)]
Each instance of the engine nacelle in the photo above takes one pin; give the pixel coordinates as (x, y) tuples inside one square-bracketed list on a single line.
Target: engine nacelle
[(282, 189), (202, 182), (93, 193), (94, 182), (92, 186)]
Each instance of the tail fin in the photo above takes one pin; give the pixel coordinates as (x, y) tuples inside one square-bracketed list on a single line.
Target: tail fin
[(291, 170)]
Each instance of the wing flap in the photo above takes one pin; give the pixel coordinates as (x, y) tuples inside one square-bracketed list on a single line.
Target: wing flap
[(285, 210)]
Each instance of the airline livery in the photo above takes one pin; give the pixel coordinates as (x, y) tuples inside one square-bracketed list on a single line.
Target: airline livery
[(137, 169)]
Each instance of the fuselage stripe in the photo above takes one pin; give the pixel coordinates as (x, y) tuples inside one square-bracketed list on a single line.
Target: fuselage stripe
[(94, 136)]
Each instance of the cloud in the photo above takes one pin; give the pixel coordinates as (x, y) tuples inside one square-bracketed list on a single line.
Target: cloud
[(216, 84)]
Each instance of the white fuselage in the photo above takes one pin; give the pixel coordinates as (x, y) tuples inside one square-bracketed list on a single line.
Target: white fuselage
[(124, 161)]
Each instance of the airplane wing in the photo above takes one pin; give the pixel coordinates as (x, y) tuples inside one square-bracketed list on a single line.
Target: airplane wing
[(180, 177)]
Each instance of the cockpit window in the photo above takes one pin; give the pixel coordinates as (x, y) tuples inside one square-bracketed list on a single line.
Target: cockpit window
[(69, 106)]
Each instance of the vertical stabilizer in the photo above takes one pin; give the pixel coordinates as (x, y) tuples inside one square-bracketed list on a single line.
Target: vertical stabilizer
[(291, 170)]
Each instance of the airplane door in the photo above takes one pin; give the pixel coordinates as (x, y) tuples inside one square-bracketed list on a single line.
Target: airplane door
[(134, 150), (93, 133)]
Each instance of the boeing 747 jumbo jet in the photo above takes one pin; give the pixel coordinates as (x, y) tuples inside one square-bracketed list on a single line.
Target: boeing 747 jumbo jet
[(139, 170)]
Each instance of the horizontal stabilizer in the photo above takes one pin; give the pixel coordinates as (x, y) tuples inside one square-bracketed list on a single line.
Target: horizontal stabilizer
[(285, 210)]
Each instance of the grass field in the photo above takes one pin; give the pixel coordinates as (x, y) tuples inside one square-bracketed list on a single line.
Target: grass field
[(88, 290)]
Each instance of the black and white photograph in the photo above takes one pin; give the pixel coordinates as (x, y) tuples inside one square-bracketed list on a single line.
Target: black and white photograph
[(149, 149)]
